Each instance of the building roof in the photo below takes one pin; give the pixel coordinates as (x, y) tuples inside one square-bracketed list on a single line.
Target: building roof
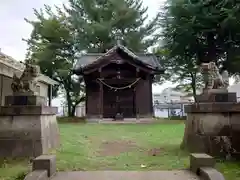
[(148, 60), (18, 66)]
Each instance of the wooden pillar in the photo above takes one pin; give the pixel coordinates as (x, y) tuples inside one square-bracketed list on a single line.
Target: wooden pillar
[(100, 95), (151, 98), (101, 101), (1, 93), (87, 94), (143, 99), (136, 91)]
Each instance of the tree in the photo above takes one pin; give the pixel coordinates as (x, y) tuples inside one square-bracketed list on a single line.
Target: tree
[(183, 72), (206, 30), (199, 31), (202, 31), (100, 23), (58, 38), (177, 49), (51, 45)]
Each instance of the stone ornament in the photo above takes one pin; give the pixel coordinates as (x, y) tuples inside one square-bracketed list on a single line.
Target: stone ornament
[(212, 78), (27, 83)]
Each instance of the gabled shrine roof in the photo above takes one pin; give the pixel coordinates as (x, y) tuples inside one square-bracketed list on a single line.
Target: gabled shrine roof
[(148, 60)]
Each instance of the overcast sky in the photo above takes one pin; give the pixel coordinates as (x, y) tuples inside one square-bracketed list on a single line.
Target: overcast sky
[(14, 28)]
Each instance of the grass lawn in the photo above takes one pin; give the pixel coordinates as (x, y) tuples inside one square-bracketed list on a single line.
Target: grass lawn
[(120, 147)]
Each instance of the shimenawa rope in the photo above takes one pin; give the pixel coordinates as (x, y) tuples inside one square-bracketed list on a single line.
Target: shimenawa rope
[(119, 88)]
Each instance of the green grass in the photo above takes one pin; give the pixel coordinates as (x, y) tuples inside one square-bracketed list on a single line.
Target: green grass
[(82, 143), (83, 148)]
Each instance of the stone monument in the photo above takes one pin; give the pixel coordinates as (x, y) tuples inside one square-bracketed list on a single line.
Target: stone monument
[(28, 128), (212, 124)]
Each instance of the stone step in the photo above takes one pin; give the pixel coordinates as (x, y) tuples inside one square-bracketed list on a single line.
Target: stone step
[(126, 175), (201, 166)]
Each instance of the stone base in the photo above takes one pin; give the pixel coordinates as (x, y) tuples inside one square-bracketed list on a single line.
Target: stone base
[(25, 93), (28, 100), (208, 122), (27, 110), (217, 97), (28, 131)]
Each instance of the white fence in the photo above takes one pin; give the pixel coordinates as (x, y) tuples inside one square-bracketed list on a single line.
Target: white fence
[(167, 110), (63, 111), (161, 110)]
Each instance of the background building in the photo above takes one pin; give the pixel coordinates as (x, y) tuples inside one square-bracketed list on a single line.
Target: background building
[(170, 102)]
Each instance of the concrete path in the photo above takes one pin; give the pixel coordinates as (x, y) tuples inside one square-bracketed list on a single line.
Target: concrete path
[(126, 175)]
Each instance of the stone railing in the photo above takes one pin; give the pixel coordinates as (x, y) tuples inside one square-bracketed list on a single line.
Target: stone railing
[(44, 168), (203, 165)]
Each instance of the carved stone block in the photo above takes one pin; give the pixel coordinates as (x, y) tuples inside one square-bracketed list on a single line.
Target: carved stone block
[(28, 131), (22, 100), (45, 162), (198, 160), (217, 97)]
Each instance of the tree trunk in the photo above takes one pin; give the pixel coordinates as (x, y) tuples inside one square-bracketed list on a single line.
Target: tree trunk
[(69, 104), (73, 110), (193, 85)]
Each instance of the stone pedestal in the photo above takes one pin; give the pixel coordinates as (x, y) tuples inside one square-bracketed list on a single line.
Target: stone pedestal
[(209, 119), (217, 97), (23, 100), (27, 128)]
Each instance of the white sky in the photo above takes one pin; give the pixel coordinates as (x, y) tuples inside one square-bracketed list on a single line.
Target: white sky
[(14, 28)]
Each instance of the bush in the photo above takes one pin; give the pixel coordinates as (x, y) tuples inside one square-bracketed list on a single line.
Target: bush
[(178, 118), (175, 118), (71, 119)]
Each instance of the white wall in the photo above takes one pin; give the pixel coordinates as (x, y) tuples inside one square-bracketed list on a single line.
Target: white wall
[(5, 87), (235, 88), (80, 110), (163, 113), (170, 95), (43, 91)]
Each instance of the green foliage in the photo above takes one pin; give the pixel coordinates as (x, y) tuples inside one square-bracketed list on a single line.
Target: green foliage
[(204, 29), (200, 31), (181, 70), (58, 38), (100, 23), (52, 47), (71, 119)]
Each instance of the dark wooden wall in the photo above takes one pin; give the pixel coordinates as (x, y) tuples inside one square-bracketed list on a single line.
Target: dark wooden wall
[(144, 98), (95, 100)]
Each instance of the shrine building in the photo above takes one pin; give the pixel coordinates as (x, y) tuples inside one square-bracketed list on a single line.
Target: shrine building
[(118, 83)]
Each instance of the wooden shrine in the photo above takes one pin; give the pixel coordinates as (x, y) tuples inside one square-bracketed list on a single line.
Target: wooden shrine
[(118, 83)]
